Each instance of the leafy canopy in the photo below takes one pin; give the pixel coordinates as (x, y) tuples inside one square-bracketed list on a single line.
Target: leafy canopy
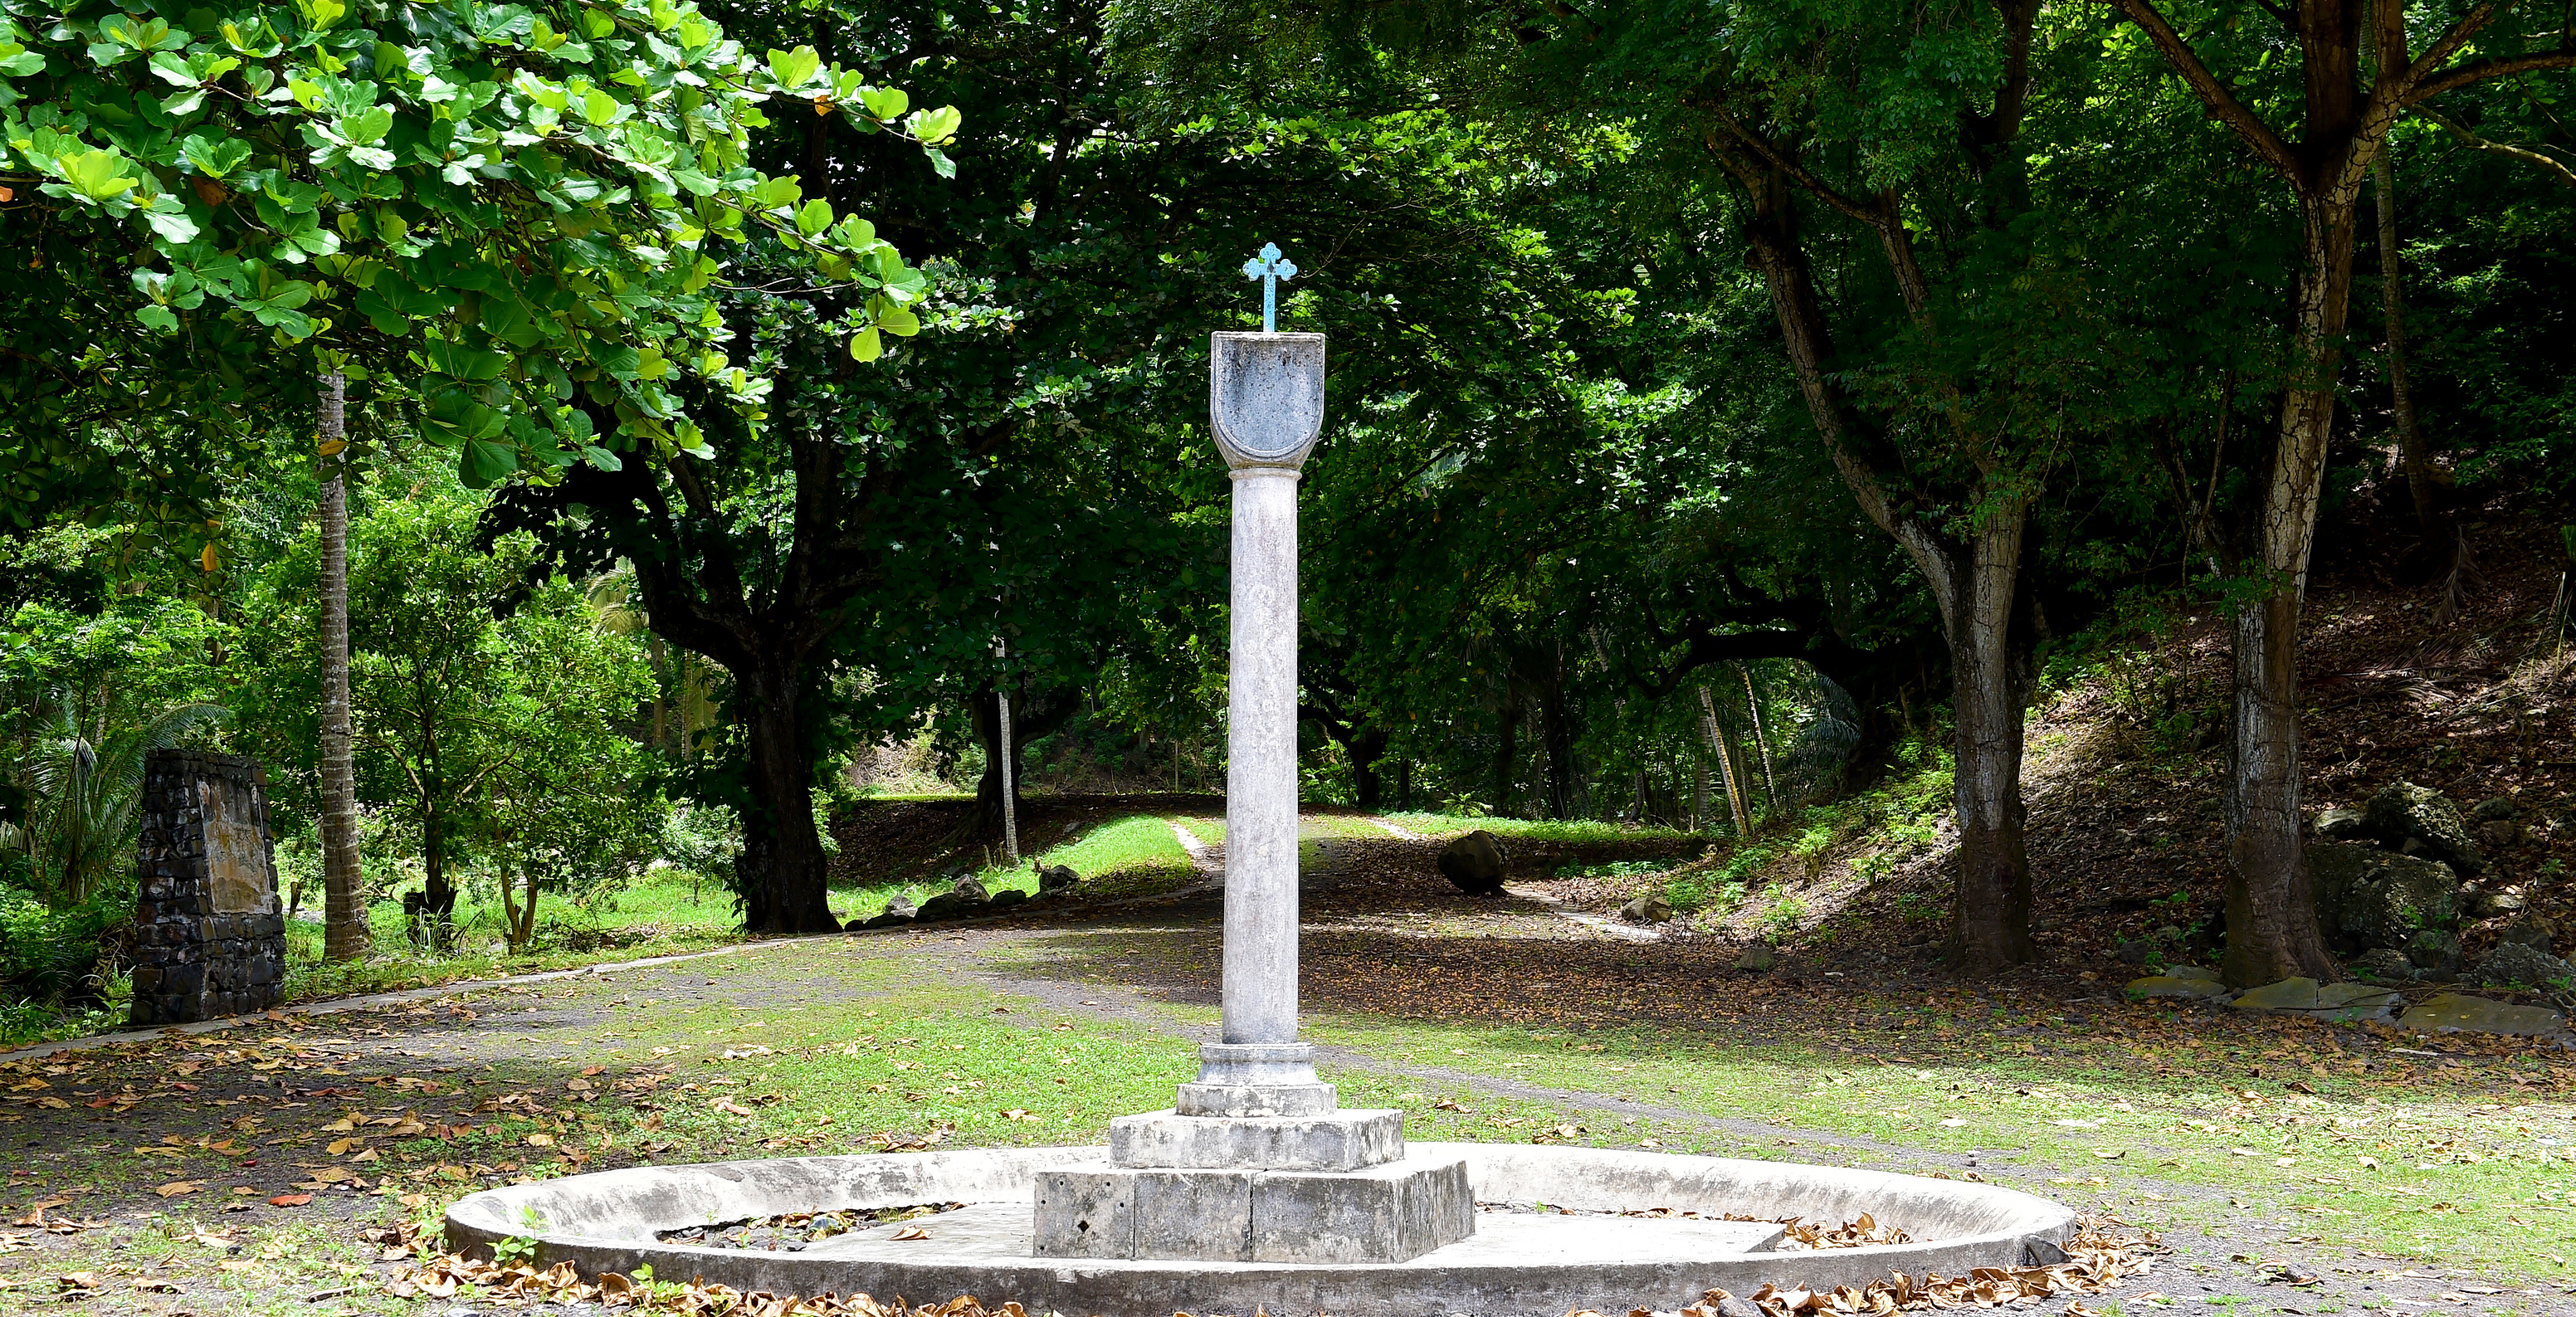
[(517, 206)]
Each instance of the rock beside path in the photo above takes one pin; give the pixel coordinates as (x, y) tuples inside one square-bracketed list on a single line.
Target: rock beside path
[(1648, 909), (1474, 863), (2342, 1003), (2453, 1012)]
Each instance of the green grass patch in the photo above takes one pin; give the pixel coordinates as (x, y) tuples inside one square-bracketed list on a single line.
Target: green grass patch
[(2415, 1170), (1572, 832)]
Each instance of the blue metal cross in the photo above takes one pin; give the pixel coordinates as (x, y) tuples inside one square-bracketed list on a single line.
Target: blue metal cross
[(1270, 267)]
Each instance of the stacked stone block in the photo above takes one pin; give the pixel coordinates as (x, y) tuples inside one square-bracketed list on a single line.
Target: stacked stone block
[(210, 933)]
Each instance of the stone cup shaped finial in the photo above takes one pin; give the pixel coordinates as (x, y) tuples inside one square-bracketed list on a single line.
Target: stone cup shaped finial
[(1266, 396)]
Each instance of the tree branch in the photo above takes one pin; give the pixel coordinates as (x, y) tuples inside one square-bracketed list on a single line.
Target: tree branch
[(2550, 163), (2222, 103), (2481, 70)]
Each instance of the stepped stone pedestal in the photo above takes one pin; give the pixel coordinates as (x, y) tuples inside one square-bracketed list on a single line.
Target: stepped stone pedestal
[(1309, 1184)]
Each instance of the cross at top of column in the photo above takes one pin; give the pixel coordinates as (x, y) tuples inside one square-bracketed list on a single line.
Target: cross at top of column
[(1270, 267)]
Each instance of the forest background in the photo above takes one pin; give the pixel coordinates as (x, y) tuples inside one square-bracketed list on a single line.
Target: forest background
[(1732, 406)]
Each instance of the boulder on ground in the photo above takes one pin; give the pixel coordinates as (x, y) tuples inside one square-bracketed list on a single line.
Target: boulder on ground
[(966, 898), (2517, 965), (1757, 959), (2487, 902), (2534, 930), (2367, 897), (1055, 877), (2434, 951), (2404, 812), (2342, 824), (2384, 964), (2453, 1012), (1474, 863), (1651, 908)]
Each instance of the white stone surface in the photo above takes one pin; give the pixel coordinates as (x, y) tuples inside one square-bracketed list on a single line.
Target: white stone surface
[(1260, 962), (1541, 1265), (1334, 1141), (1266, 396)]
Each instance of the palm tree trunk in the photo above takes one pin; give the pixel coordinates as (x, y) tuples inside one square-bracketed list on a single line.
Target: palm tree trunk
[(344, 920)]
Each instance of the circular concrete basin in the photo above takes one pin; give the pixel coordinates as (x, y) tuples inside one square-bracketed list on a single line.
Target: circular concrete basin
[(1516, 1263)]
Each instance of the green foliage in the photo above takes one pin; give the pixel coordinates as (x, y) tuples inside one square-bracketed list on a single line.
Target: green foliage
[(50, 953), (505, 216)]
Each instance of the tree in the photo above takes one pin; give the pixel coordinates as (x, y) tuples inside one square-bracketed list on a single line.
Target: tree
[(2358, 70), (344, 909)]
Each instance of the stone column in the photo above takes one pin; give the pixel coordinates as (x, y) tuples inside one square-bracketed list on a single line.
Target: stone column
[(1255, 1162), (1266, 407)]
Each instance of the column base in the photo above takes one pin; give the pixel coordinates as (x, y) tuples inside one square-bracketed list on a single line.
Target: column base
[(1389, 1213), (1255, 1079), (1335, 1141)]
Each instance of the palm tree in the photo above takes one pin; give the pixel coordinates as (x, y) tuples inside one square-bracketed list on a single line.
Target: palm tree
[(85, 814), (344, 919)]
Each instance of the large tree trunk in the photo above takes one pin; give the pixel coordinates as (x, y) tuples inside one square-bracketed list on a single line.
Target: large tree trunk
[(1368, 786), (1556, 730), (1982, 613), (782, 869), (1033, 718), (1991, 674), (2392, 302), (2272, 929), (344, 914)]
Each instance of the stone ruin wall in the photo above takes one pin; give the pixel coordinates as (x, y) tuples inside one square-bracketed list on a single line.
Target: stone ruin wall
[(210, 931)]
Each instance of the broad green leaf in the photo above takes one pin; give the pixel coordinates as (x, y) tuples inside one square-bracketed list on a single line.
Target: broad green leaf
[(934, 127), (815, 217), (97, 175), (793, 68)]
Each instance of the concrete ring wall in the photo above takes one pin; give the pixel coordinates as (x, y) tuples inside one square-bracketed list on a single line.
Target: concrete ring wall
[(606, 1221)]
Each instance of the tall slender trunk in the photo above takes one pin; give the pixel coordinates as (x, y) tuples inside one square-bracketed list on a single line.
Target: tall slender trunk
[(1992, 671), (2272, 929), (2392, 303), (1762, 743), (782, 864), (1736, 812), (344, 916)]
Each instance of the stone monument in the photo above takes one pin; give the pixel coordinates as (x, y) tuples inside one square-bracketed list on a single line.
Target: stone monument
[(210, 934), (1255, 1162)]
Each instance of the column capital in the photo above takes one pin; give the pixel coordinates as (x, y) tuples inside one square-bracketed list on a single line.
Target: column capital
[(1265, 398)]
